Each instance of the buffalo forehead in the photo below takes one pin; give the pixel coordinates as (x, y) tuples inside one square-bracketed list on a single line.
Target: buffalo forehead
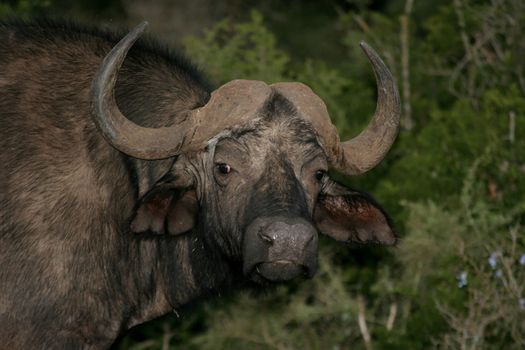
[(312, 109), (236, 102), (304, 99), (240, 103)]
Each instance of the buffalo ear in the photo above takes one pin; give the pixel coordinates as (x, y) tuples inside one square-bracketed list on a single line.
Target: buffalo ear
[(351, 216), (166, 210)]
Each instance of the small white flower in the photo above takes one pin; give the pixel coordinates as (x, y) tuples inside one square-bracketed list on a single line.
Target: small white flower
[(493, 262), (522, 259), (462, 279)]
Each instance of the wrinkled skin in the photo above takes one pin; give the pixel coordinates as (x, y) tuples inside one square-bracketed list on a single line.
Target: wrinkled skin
[(93, 242)]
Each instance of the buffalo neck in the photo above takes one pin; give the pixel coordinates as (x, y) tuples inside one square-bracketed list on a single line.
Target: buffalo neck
[(171, 272)]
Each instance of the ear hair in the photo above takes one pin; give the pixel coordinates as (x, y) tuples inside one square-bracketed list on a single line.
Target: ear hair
[(352, 216)]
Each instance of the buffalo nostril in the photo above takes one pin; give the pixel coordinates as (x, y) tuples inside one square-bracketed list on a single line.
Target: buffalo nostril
[(266, 237)]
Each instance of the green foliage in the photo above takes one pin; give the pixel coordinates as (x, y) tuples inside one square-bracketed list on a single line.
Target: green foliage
[(440, 154), (239, 51), (486, 311), (23, 8)]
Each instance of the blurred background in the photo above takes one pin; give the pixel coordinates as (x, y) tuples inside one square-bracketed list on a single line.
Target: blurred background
[(454, 183)]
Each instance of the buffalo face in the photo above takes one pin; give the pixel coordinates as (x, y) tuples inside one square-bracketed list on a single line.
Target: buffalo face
[(271, 196), (267, 195)]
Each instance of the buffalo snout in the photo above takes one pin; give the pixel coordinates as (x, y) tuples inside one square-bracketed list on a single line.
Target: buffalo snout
[(280, 249)]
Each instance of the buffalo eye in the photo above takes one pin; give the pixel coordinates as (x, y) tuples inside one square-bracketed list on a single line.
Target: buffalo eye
[(224, 168), (319, 174)]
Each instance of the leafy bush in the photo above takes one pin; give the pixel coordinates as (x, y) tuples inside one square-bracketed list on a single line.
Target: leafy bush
[(465, 265), (239, 51), (23, 8)]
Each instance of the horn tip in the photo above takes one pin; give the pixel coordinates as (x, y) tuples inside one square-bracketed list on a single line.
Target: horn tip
[(365, 47), (139, 29)]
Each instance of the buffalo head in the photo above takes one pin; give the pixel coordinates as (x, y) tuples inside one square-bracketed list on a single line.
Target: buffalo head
[(249, 170)]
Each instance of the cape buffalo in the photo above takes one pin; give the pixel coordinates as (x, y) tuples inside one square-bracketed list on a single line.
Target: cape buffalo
[(130, 188)]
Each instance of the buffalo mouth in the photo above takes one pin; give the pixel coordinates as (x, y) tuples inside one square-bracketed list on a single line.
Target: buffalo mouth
[(279, 271)]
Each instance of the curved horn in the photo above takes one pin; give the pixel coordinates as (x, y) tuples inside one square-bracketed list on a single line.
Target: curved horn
[(123, 134), (367, 149), (233, 103)]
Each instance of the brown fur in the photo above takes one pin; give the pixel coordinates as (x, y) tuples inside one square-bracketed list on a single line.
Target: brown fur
[(66, 195)]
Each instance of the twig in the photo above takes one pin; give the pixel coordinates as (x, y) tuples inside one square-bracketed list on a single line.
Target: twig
[(361, 320), (147, 344), (512, 127), (362, 24), (391, 317), (462, 29), (167, 336), (480, 41)]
